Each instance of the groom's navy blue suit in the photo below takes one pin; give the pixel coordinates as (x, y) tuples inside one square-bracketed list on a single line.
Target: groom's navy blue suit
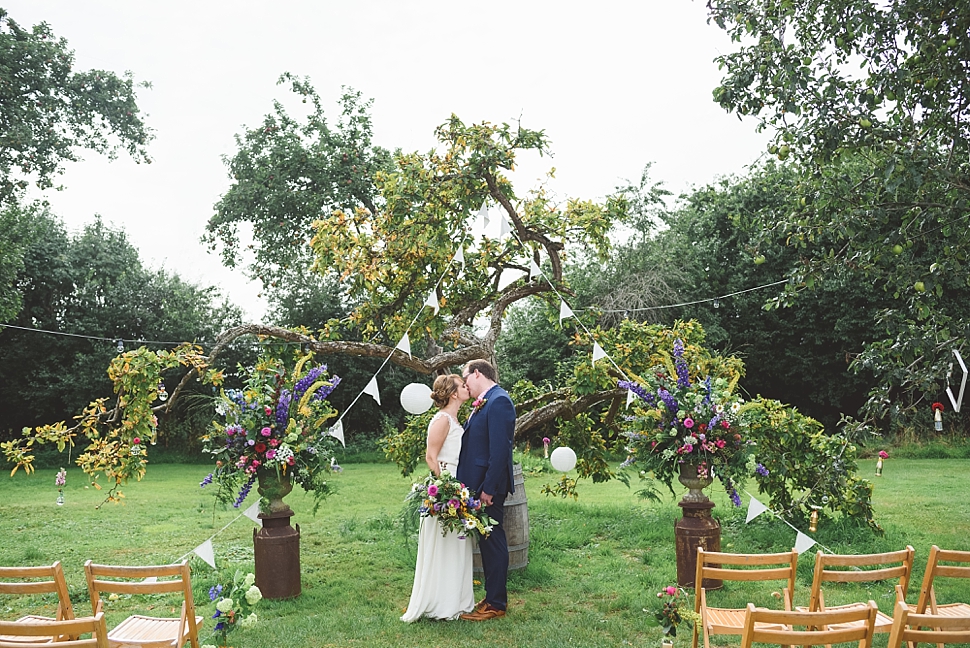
[(485, 466)]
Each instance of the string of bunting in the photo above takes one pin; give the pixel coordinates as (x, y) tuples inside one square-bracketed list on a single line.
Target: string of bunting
[(802, 541)]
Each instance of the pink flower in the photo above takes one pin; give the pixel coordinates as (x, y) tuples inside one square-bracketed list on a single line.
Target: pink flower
[(266, 431), (688, 423), (136, 441), (883, 454), (255, 463), (432, 490), (671, 590), (291, 460), (274, 442), (720, 443), (268, 410), (725, 424), (270, 454)]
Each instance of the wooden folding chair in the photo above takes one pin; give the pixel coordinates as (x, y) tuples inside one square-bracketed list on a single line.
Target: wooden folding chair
[(849, 623), (865, 568), (14, 634), (710, 564), (927, 595), (144, 631), (26, 583), (914, 628)]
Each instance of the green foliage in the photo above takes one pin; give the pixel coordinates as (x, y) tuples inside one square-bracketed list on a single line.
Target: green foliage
[(49, 111), (92, 283), (286, 174), (807, 468), (407, 447), (882, 150)]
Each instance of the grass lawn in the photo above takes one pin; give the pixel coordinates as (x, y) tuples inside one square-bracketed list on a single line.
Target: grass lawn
[(595, 563)]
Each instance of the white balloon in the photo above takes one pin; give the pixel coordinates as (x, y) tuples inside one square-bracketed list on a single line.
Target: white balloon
[(416, 398), (563, 459)]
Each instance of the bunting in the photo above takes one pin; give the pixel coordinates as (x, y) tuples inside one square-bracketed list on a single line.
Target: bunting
[(404, 345), (598, 352), (337, 430), (564, 311), (253, 513), (372, 390), (206, 553), (432, 302), (629, 398), (803, 543), (755, 508), (534, 270)]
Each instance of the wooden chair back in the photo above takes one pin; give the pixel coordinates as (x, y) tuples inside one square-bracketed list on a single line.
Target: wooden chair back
[(800, 628), (146, 580), (837, 568), (927, 596), (14, 634), (737, 567), (27, 583), (915, 628)]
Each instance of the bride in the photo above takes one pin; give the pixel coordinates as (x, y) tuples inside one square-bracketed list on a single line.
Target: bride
[(443, 574)]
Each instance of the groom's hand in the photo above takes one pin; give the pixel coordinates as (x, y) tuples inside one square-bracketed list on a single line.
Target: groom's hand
[(486, 499)]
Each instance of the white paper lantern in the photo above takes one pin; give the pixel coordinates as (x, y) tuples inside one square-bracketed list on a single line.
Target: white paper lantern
[(563, 459), (416, 398)]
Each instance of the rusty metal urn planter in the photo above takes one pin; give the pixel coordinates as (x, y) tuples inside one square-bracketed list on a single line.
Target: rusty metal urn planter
[(276, 546), (697, 528)]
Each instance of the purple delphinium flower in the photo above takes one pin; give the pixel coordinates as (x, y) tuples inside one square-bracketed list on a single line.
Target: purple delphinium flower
[(735, 498), (683, 380), (638, 390), (244, 491), (761, 470), (668, 400), (306, 381), (326, 390), (205, 482), (709, 389), (627, 462), (283, 409), (214, 591)]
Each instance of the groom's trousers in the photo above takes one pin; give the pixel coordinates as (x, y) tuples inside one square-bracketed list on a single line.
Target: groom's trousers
[(495, 557)]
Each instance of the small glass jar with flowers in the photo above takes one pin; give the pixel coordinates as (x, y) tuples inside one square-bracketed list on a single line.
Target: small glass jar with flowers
[(688, 428), (273, 431)]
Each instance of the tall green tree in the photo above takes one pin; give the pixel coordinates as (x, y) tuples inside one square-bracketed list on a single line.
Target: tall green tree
[(90, 284), (48, 111), (869, 102)]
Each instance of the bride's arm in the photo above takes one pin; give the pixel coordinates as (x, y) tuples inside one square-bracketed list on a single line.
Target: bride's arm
[(437, 433)]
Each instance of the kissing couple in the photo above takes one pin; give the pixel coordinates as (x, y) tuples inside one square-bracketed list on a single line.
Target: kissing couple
[(480, 456)]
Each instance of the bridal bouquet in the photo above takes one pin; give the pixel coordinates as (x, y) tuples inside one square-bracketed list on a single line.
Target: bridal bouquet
[(447, 499)]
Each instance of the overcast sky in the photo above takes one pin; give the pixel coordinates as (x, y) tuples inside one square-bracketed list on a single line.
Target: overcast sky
[(615, 85)]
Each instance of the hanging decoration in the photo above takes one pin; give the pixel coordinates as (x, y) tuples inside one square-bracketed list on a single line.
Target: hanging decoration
[(563, 459), (416, 398), (206, 553), (958, 400), (802, 542), (405, 344), (337, 431), (564, 311), (938, 416), (598, 352), (883, 455)]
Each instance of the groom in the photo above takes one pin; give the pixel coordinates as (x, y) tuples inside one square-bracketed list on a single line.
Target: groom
[(485, 466)]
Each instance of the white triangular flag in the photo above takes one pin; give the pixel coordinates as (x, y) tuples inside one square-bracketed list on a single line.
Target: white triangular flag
[(534, 270), (460, 256), (803, 543), (432, 302), (755, 508), (337, 430), (504, 226), (598, 352), (154, 579), (564, 311), (253, 514), (483, 214), (206, 553), (404, 345), (373, 390), (629, 397)]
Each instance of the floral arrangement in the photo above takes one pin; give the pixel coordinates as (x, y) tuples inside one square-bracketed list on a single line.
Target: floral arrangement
[(235, 609), (671, 610), (683, 421), (478, 403), (60, 480), (447, 499), (275, 423)]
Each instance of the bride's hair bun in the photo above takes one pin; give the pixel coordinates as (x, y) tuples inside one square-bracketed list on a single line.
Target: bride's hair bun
[(444, 387)]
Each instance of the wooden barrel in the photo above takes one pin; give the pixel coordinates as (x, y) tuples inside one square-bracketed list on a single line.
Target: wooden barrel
[(516, 525)]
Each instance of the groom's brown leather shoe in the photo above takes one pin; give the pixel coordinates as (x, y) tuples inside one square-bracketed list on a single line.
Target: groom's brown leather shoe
[(478, 606), (484, 614)]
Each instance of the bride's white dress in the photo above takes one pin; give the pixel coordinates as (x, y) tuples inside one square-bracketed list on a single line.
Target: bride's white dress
[(443, 574)]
